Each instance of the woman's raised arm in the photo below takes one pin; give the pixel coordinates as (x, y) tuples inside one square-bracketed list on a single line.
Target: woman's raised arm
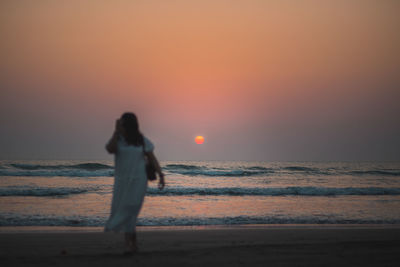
[(111, 146)]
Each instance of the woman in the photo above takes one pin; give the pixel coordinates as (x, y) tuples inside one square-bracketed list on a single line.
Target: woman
[(130, 148)]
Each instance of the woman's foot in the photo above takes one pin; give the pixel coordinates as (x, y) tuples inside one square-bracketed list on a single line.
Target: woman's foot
[(130, 244)]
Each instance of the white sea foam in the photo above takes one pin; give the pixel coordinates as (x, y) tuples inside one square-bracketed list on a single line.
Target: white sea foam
[(278, 191), (104, 170), (45, 191), (41, 220)]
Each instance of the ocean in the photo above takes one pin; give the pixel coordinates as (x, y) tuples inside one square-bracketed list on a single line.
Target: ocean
[(78, 193)]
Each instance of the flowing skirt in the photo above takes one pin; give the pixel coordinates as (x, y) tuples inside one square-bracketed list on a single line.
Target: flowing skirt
[(127, 200)]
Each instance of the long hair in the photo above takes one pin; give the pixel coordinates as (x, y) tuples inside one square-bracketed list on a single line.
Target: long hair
[(131, 125)]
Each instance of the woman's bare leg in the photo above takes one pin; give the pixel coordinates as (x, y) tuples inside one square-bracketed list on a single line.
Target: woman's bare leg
[(127, 240), (133, 242), (130, 242)]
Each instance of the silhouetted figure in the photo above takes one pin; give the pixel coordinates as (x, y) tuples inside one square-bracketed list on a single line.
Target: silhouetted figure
[(130, 181)]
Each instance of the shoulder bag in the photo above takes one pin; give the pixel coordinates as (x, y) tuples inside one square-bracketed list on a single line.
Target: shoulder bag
[(150, 168)]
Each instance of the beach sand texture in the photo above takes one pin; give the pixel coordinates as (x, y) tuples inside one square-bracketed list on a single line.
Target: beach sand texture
[(248, 246)]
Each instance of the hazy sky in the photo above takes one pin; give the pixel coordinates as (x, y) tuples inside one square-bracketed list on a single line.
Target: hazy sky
[(260, 80)]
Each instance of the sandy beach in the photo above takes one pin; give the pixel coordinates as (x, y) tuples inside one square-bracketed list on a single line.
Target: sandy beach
[(212, 246)]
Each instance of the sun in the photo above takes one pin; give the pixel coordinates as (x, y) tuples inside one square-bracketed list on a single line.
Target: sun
[(199, 139)]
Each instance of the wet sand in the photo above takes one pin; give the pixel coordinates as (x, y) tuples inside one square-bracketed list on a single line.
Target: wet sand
[(205, 246)]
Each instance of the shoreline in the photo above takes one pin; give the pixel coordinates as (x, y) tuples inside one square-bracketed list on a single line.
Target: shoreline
[(98, 229), (274, 245)]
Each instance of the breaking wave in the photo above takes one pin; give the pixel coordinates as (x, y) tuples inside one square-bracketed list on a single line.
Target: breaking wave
[(280, 191), (99, 221), (203, 191), (193, 170), (91, 169), (84, 166), (44, 191)]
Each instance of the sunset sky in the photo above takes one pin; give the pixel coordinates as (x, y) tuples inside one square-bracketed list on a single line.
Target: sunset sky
[(260, 80)]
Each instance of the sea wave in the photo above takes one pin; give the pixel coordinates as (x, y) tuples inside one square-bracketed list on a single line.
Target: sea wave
[(377, 172), (44, 191), (274, 191), (84, 166), (99, 221), (203, 191), (192, 170), (227, 173), (183, 166), (88, 169), (92, 169), (299, 168), (245, 220), (58, 172)]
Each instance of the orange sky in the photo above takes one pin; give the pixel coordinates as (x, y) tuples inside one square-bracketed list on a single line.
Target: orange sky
[(266, 80)]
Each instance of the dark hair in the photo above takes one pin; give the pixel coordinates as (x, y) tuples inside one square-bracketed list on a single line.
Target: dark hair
[(131, 125)]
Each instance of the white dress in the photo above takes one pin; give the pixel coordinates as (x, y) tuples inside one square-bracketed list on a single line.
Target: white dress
[(130, 184)]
